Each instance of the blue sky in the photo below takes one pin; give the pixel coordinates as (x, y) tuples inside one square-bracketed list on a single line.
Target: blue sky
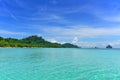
[(87, 23)]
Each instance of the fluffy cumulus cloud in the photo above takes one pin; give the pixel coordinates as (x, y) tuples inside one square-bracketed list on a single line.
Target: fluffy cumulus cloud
[(75, 40)]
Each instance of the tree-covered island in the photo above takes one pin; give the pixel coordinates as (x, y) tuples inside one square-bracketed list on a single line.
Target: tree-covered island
[(32, 41)]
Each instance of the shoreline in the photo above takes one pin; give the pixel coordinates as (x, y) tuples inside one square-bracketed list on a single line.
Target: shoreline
[(66, 48), (33, 47)]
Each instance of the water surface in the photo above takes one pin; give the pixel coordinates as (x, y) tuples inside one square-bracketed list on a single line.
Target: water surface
[(59, 64)]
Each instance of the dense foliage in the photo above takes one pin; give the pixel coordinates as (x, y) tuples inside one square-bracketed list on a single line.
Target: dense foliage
[(68, 45), (32, 41)]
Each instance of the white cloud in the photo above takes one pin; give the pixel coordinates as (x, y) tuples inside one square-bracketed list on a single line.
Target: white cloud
[(75, 40), (49, 17), (12, 33), (108, 13), (82, 32), (53, 16), (115, 18), (53, 40)]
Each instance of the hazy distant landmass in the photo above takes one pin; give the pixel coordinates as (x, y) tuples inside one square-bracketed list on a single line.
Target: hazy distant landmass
[(109, 46), (32, 41)]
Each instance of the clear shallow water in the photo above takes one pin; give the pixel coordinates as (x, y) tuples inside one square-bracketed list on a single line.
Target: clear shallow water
[(59, 64)]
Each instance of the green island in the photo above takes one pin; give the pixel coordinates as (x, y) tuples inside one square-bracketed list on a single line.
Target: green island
[(33, 41)]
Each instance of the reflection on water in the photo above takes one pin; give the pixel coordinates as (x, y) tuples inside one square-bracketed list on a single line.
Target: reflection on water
[(35, 55)]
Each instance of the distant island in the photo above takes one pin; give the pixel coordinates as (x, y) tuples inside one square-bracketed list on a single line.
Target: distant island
[(109, 47), (33, 41)]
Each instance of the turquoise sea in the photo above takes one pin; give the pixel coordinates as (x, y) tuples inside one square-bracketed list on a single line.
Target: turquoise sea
[(59, 64)]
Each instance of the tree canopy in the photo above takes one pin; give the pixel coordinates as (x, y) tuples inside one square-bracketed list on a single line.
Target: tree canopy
[(32, 41)]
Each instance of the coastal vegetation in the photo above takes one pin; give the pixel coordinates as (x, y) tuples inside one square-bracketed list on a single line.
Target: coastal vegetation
[(32, 41)]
